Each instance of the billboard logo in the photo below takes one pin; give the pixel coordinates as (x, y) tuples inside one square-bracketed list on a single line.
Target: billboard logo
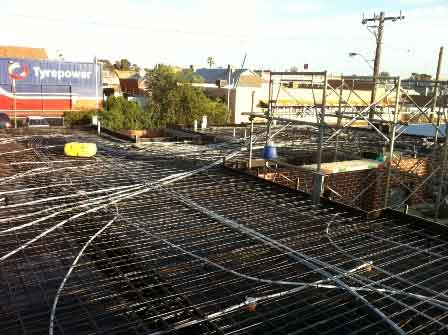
[(18, 72), (60, 74)]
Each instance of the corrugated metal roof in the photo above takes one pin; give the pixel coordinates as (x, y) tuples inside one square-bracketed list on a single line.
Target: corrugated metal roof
[(244, 77)]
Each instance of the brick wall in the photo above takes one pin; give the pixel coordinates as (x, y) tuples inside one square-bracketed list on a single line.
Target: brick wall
[(351, 187), (364, 189), (419, 167), (293, 178)]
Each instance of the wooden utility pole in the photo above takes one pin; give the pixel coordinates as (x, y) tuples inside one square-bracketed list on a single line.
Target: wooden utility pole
[(381, 19)]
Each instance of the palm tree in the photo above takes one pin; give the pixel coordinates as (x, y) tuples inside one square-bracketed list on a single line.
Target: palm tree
[(210, 61)]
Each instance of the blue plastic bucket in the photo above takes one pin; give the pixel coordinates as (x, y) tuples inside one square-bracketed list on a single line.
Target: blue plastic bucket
[(270, 152)]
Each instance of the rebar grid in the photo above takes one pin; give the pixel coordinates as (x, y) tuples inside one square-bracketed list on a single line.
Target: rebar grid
[(164, 267)]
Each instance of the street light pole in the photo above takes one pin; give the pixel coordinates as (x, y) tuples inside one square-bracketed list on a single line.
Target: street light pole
[(353, 54)]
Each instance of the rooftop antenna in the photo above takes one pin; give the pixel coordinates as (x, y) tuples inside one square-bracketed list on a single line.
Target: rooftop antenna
[(242, 67)]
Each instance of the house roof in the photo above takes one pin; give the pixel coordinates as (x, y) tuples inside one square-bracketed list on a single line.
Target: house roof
[(244, 77), (212, 75), (23, 52), (127, 74)]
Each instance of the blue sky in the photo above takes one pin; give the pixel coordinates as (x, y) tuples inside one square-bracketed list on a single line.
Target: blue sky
[(275, 34)]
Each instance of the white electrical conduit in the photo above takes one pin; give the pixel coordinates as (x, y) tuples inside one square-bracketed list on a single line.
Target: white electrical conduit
[(430, 300), (177, 176), (18, 217), (24, 174), (391, 275), (253, 300), (42, 170), (22, 190), (58, 162), (386, 290), (81, 193), (72, 267), (76, 195), (302, 285), (114, 198), (317, 284), (295, 254), (28, 149), (95, 201), (165, 181), (435, 254), (60, 224)]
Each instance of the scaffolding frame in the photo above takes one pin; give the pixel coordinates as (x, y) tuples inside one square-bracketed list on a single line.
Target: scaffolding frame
[(389, 121)]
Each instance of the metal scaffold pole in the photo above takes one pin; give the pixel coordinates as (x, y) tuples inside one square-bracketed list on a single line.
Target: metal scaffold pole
[(339, 114), (251, 134), (341, 93), (435, 96), (229, 77), (270, 111), (392, 136), (95, 60), (319, 176), (322, 123), (443, 171)]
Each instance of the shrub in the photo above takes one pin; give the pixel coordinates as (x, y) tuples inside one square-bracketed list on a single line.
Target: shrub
[(123, 114), (78, 118)]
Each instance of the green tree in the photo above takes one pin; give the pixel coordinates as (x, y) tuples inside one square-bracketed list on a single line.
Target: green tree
[(120, 114), (123, 64), (106, 64), (174, 100), (384, 74)]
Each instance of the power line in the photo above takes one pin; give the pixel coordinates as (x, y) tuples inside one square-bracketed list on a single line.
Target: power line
[(153, 28), (378, 31)]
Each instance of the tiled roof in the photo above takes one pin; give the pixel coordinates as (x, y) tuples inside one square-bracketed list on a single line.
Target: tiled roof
[(127, 74), (23, 52)]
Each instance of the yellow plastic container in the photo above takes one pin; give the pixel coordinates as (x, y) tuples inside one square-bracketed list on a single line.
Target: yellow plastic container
[(75, 149)]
